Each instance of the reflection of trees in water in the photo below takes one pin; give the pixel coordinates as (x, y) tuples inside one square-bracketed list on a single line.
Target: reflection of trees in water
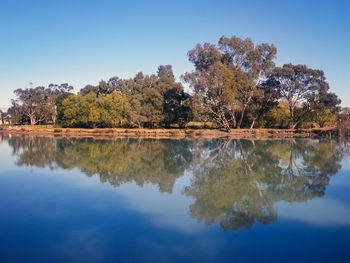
[(121, 161), (238, 182), (235, 182), (117, 162), (33, 151)]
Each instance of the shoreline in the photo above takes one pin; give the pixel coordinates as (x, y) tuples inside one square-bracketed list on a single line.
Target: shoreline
[(173, 133)]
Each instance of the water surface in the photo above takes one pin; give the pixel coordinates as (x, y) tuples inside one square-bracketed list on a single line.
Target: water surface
[(213, 200)]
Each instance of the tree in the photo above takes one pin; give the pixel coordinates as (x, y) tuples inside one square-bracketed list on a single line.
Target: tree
[(38, 104), (264, 100), (324, 107), (53, 92), (215, 91), (177, 106), (114, 109), (16, 113), (34, 103), (80, 111), (298, 84), (251, 63), (2, 116), (89, 88), (256, 62)]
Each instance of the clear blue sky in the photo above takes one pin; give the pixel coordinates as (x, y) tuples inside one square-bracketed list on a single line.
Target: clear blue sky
[(82, 42)]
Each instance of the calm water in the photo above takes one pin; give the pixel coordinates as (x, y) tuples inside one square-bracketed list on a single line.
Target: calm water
[(218, 200)]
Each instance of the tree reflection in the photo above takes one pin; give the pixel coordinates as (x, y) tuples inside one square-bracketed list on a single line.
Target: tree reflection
[(33, 151), (115, 161), (235, 183), (127, 160), (239, 185)]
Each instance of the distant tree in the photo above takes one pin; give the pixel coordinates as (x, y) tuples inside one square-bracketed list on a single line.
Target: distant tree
[(324, 108), (345, 113), (34, 104), (54, 91), (252, 63), (177, 106), (113, 109), (298, 85), (16, 113), (89, 88), (38, 104), (204, 56), (264, 101), (256, 62), (165, 73), (215, 91), (80, 111), (2, 116)]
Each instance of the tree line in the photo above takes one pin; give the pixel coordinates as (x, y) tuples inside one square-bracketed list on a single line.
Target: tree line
[(235, 84)]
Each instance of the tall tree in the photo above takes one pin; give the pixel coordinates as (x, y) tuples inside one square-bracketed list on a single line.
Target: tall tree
[(54, 91), (177, 106), (39, 104), (34, 103), (215, 91), (254, 61), (264, 100), (243, 58), (298, 84), (324, 107), (114, 109)]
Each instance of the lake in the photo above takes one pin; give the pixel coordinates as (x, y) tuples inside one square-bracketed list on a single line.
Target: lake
[(161, 200)]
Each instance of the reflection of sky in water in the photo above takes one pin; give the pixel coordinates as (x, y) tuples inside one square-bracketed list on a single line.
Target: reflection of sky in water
[(64, 216)]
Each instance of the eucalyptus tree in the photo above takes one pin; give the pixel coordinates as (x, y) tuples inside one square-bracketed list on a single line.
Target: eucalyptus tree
[(264, 101), (177, 106), (54, 91), (215, 89), (298, 85), (249, 63), (33, 103), (176, 102), (80, 111), (324, 108), (255, 61), (39, 104)]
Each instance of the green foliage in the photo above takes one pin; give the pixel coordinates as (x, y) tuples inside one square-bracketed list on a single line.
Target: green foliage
[(277, 117), (37, 105), (301, 87), (107, 110), (113, 109), (234, 84), (144, 101), (226, 77)]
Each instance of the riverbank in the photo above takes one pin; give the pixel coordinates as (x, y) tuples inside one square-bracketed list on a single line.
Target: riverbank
[(171, 133)]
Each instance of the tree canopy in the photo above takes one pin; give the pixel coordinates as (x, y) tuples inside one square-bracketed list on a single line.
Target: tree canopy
[(235, 84)]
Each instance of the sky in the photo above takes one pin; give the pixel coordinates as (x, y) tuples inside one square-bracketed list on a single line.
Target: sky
[(83, 42)]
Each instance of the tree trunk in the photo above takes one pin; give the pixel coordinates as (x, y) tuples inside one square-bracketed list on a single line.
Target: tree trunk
[(53, 118), (32, 120), (241, 118), (253, 123), (234, 119), (226, 124), (291, 121)]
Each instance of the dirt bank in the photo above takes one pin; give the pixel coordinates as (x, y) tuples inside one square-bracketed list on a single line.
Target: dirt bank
[(171, 133)]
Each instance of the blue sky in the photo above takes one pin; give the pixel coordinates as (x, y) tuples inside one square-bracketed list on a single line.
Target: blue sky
[(82, 42)]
